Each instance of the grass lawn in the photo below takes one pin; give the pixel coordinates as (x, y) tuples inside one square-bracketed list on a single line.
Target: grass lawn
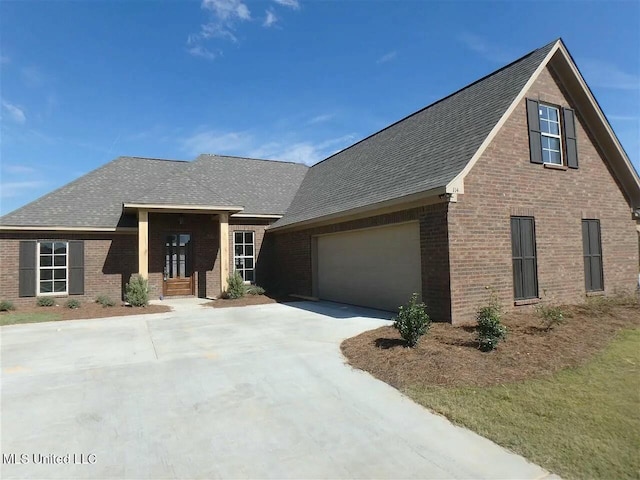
[(567, 399), (18, 317), (580, 423)]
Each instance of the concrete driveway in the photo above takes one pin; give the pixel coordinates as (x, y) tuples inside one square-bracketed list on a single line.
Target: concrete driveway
[(253, 392)]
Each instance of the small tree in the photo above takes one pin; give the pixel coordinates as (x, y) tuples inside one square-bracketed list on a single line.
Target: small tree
[(412, 321), (137, 291), (490, 329), (236, 287)]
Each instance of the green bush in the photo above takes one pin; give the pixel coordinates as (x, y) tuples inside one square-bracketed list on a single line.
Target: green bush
[(6, 306), (236, 287), (72, 303), (550, 315), (105, 301), (137, 291), (255, 290), (45, 301), (490, 329), (412, 321)]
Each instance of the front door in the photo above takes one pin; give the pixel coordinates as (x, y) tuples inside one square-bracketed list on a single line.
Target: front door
[(178, 275)]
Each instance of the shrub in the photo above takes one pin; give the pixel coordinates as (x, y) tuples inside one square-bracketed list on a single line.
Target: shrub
[(236, 287), (137, 291), (490, 329), (412, 321), (6, 306), (255, 290), (45, 301), (105, 301), (550, 316), (73, 303)]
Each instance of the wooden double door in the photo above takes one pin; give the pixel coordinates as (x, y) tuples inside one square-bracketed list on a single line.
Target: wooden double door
[(178, 265)]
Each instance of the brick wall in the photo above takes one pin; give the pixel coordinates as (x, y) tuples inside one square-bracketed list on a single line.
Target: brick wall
[(109, 261), (292, 272), (503, 183)]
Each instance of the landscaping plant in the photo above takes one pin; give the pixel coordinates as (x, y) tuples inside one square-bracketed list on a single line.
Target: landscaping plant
[(550, 316), (6, 306), (236, 287), (255, 290), (412, 321), (490, 329), (73, 303), (45, 301), (137, 291), (105, 301)]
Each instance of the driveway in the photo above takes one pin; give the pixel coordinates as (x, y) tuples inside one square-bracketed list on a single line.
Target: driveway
[(253, 392)]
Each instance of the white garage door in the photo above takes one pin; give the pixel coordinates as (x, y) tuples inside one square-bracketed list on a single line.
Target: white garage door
[(377, 267)]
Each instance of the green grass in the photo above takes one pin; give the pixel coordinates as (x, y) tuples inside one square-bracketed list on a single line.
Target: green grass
[(579, 423), (15, 318)]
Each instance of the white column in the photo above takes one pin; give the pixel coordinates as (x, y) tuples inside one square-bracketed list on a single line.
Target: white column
[(224, 250), (143, 243)]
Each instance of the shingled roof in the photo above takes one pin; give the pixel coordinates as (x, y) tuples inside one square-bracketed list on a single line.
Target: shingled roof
[(423, 151), (96, 199)]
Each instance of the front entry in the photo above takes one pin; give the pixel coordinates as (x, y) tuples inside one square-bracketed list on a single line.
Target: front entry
[(178, 266)]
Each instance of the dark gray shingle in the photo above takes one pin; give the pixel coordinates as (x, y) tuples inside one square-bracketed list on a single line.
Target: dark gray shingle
[(423, 151)]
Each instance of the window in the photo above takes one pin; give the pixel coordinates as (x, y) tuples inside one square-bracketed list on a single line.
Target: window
[(243, 255), (550, 131), (592, 252), (523, 248), (52, 268), (552, 135)]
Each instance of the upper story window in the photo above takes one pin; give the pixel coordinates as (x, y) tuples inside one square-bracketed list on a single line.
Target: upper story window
[(550, 131), (552, 135)]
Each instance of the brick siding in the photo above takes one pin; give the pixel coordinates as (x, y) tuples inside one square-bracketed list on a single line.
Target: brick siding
[(504, 183)]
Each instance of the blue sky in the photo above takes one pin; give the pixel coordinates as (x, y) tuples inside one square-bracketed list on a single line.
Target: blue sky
[(83, 82)]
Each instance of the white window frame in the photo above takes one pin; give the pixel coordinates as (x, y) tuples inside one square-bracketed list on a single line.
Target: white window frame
[(252, 257), (53, 268), (551, 135)]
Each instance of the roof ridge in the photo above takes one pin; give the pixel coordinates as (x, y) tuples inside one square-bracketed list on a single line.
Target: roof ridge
[(250, 158), (548, 45), (136, 157)]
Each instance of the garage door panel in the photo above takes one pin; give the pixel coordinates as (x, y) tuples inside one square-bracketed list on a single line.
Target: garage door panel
[(377, 267)]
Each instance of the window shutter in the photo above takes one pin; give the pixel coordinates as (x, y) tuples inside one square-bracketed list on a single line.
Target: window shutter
[(592, 246), (570, 142), (523, 251), (27, 269), (76, 267), (535, 138)]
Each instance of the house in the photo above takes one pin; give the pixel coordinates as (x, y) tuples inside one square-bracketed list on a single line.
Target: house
[(516, 182)]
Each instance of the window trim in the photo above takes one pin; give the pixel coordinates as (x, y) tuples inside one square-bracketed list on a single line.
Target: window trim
[(252, 257), (551, 135), (52, 268)]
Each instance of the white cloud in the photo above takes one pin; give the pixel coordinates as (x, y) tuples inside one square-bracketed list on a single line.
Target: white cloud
[(198, 50), (245, 144), (600, 73), (33, 76), (15, 113), (18, 169), (387, 57), (484, 48), (13, 189), (270, 19), (325, 117), (289, 3)]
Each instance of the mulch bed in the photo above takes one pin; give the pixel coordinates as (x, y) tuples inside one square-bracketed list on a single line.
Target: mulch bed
[(248, 300), (91, 310), (448, 355)]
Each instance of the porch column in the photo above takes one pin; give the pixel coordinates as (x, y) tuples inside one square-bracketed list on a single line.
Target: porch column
[(143, 243), (224, 250)]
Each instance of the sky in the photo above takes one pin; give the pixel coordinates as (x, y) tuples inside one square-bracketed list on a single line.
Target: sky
[(83, 82)]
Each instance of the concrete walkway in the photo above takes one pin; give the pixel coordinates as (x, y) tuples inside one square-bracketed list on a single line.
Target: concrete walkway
[(252, 392)]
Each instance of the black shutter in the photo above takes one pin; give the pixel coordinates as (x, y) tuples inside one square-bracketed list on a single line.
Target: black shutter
[(592, 251), (535, 138), (523, 251), (27, 269), (571, 145), (76, 267)]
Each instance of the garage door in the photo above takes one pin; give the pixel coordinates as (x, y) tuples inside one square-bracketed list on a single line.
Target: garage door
[(377, 267)]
